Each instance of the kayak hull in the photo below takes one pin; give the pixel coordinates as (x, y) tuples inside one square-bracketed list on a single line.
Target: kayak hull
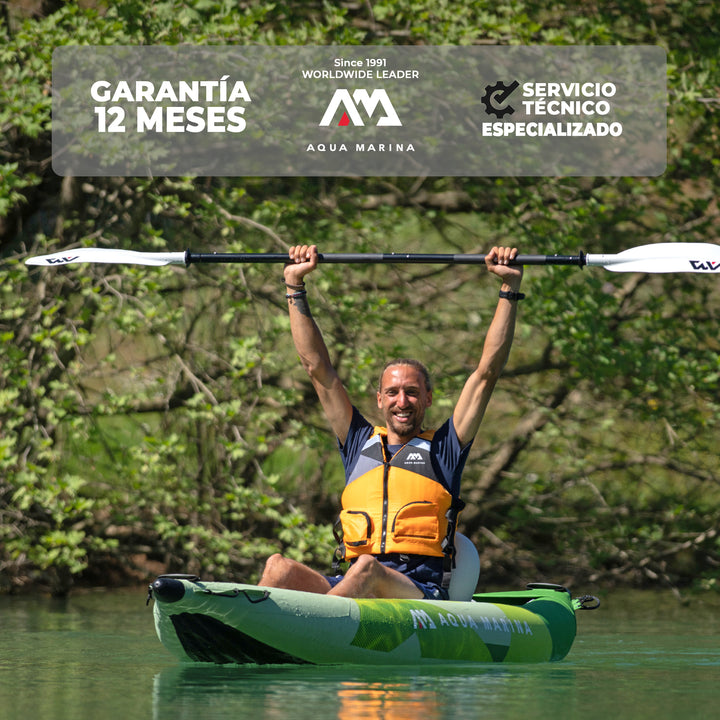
[(218, 622)]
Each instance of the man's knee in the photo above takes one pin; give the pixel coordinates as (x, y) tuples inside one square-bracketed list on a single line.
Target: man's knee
[(274, 559), (370, 578), (276, 568), (367, 566), (282, 572)]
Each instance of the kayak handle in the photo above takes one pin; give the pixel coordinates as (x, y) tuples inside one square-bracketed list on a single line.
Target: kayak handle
[(586, 602)]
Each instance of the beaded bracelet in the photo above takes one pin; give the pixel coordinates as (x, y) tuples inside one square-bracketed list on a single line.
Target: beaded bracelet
[(295, 295)]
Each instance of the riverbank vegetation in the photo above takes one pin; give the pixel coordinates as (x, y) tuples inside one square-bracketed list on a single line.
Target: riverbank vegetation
[(157, 419)]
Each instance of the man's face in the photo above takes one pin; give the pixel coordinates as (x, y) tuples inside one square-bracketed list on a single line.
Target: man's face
[(403, 399)]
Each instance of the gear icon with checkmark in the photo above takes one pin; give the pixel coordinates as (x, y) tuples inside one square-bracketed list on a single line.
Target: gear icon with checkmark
[(498, 93)]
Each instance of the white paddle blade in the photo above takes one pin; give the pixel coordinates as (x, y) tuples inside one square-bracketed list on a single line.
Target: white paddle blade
[(107, 255), (662, 258)]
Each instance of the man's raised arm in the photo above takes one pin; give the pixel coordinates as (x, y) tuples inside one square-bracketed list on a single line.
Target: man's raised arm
[(476, 393), (309, 343)]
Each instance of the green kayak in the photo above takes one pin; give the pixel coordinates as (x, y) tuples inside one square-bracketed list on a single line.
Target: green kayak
[(221, 622)]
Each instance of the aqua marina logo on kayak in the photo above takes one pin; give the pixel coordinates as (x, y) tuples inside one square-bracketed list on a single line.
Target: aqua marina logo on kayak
[(423, 621)]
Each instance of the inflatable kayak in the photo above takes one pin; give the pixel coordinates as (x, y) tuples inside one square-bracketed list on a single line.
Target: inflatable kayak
[(221, 622)]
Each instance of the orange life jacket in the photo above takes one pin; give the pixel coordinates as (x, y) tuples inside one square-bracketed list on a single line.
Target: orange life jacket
[(397, 504)]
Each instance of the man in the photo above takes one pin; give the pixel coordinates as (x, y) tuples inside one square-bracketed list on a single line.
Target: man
[(401, 481)]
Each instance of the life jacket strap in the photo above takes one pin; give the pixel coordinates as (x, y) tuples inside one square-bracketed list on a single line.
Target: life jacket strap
[(339, 554), (448, 543)]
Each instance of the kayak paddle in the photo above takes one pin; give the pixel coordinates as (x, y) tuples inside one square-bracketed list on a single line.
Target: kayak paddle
[(656, 258)]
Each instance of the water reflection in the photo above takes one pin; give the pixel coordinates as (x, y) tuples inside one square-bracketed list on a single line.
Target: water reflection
[(350, 693), (617, 675), (385, 701)]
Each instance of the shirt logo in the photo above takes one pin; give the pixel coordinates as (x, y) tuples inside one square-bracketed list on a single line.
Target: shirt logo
[(415, 458)]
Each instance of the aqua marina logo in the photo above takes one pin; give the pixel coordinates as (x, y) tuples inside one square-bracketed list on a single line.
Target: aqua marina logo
[(368, 101), (415, 458)]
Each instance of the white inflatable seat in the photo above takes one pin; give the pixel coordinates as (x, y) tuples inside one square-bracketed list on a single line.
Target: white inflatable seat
[(465, 574)]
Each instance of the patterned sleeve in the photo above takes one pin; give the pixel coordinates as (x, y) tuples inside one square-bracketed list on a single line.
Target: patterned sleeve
[(449, 456), (360, 430)]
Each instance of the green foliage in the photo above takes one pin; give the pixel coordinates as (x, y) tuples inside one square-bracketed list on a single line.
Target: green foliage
[(160, 415)]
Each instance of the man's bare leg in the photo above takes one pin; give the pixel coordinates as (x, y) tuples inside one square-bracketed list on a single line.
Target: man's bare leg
[(367, 578), (282, 572)]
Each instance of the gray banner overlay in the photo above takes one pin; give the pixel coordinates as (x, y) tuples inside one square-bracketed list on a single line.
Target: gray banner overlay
[(359, 110)]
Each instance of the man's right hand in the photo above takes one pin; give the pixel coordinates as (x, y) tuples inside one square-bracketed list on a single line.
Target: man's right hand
[(302, 259)]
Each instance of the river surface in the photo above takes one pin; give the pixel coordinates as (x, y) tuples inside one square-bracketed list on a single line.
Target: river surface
[(95, 655)]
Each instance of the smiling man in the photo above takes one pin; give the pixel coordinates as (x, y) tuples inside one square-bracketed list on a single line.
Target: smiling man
[(402, 492)]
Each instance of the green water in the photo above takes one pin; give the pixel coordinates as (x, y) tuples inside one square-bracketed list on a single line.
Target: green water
[(641, 655)]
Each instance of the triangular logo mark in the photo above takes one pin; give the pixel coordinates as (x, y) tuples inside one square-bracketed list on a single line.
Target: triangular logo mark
[(344, 120)]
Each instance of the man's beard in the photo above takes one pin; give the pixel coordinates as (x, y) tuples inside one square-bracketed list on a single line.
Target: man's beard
[(405, 430)]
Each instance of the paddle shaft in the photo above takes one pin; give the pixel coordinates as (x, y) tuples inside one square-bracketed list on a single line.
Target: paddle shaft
[(375, 258)]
